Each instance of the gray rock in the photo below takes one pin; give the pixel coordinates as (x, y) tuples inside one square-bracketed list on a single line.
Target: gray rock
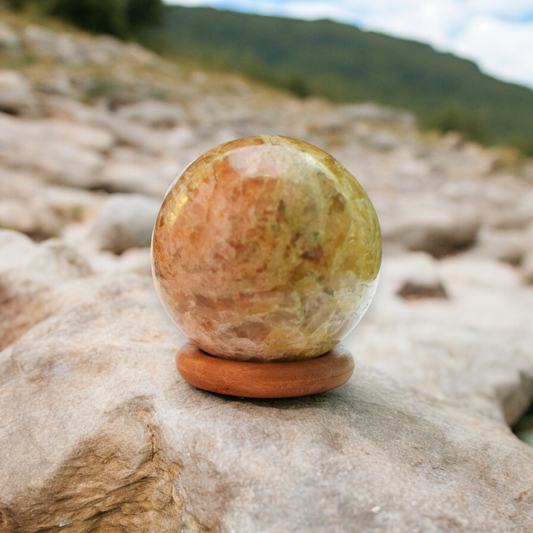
[(126, 221), (135, 134), (375, 113), (527, 170), (15, 249), (83, 135), (49, 260), (418, 277), (474, 348), (61, 85), (14, 215), (67, 154), (509, 245), (8, 37), (79, 50), (153, 113), (24, 207), (54, 258), (103, 434), (131, 171), (438, 230), (72, 49), (382, 140), (132, 261), (527, 268), (43, 42), (16, 96), (30, 205)]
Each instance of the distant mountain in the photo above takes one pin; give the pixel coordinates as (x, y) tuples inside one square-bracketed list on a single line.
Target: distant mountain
[(344, 63)]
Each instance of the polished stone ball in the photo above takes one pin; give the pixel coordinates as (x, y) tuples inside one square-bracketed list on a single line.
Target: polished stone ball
[(266, 248)]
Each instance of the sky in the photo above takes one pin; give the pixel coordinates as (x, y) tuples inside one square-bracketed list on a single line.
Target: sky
[(496, 34)]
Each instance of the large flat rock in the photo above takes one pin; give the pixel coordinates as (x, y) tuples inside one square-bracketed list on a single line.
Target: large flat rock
[(104, 435)]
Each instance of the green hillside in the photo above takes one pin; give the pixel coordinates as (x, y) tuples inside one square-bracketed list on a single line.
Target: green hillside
[(346, 64)]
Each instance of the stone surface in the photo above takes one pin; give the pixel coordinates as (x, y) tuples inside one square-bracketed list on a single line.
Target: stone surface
[(29, 205), (79, 50), (8, 38), (527, 268), (266, 248), (15, 93), (432, 229), (505, 245), (153, 113), (472, 347), (129, 446), (64, 155), (15, 247), (125, 221), (128, 170)]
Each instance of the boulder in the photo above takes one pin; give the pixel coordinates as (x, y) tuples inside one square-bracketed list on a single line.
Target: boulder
[(382, 140), (153, 113), (503, 245), (62, 153), (134, 134), (103, 434), (55, 258), (16, 96), (9, 39), (131, 171), (527, 268), (126, 221), (83, 135), (23, 205), (417, 277), (15, 248), (14, 214), (28, 204), (473, 347), (438, 230)]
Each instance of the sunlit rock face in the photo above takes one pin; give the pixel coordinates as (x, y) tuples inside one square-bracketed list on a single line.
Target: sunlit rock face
[(266, 248)]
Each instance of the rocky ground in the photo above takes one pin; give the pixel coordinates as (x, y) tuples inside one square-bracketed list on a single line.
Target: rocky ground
[(100, 433)]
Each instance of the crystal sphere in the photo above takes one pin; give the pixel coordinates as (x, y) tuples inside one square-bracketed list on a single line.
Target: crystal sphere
[(266, 249)]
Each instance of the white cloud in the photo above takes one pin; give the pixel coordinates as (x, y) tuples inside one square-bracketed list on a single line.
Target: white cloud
[(432, 21), (319, 10), (501, 48), (508, 8), (486, 31)]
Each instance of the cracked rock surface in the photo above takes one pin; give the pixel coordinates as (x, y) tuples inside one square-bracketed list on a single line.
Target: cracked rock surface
[(104, 435), (129, 445)]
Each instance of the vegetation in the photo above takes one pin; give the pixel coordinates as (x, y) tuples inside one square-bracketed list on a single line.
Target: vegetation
[(324, 58), (346, 64), (122, 18)]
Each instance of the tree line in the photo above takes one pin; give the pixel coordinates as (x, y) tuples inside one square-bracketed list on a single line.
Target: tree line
[(346, 64), (121, 18), (323, 58)]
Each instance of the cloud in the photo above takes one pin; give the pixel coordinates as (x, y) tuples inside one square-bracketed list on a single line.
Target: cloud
[(497, 34), (501, 48), (433, 21)]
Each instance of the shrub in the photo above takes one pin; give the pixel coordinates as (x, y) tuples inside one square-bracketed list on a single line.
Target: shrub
[(456, 118)]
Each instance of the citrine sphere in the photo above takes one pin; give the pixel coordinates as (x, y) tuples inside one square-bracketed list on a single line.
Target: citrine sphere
[(266, 249)]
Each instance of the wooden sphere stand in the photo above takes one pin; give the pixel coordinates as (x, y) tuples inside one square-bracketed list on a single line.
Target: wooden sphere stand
[(264, 380)]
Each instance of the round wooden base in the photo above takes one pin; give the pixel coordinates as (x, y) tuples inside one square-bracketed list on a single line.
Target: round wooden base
[(264, 380)]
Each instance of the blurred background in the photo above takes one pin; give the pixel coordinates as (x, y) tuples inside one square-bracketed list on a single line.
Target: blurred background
[(428, 104)]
